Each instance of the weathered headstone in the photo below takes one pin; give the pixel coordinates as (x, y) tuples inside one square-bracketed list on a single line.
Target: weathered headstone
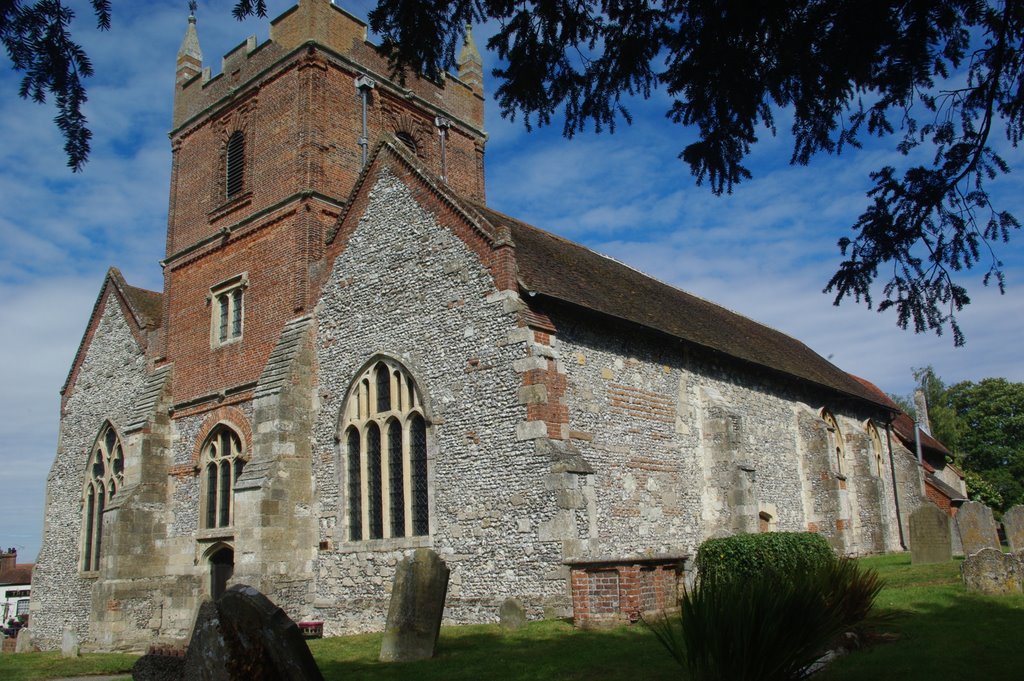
[(930, 540), (977, 527), (990, 571), (69, 643), (417, 604), (25, 643), (1013, 523), (512, 615), (240, 636)]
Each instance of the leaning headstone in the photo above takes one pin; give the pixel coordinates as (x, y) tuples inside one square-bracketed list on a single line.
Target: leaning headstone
[(977, 527), (417, 604), (930, 536), (512, 615), (25, 643), (69, 643), (990, 571), (240, 636), (1013, 523)]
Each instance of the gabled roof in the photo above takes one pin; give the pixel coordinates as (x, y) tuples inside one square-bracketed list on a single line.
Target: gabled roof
[(143, 309), (903, 426), (560, 269), (564, 270)]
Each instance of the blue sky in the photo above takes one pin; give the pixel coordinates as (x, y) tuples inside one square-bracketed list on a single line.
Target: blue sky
[(766, 251)]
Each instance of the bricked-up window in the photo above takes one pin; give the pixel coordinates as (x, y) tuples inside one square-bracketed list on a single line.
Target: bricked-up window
[(385, 453), (234, 170), (104, 477), (221, 465), (227, 302), (835, 441)]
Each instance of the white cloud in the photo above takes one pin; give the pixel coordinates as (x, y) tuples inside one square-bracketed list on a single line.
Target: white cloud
[(766, 251)]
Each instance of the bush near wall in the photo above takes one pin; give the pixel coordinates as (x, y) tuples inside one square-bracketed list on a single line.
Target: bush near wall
[(747, 556)]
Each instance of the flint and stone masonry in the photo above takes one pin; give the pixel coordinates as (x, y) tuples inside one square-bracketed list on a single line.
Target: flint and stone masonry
[(351, 362)]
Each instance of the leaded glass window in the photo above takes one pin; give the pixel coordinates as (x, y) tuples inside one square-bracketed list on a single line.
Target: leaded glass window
[(105, 475), (386, 461), (222, 463)]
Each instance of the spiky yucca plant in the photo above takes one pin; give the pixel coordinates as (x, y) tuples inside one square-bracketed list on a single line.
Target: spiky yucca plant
[(769, 627)]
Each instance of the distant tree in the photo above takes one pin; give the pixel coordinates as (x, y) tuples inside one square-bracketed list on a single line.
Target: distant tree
[(982, 423), (992, 440), (940, 75)]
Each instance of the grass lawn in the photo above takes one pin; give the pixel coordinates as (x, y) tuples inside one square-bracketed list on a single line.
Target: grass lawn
[(939, 632), (942, 631)]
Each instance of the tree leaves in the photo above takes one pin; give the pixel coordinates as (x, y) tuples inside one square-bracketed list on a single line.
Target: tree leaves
[(939, 76)]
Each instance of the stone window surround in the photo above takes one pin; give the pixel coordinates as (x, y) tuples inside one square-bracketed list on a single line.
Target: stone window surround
[(422, 406), (875, 440), (837, 448), (234, 457), (111, 479), (227, 307)]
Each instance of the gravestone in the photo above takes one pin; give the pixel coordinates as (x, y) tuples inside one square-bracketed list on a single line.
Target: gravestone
[(417, 604), (512, 615), (930, 540), (1013, 523), (242, 636), (992, 572), (69, 643), (25, 643), (977, 527)]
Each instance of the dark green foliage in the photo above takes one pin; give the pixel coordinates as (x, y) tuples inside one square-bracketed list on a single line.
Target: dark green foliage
[(982, 423), (747, 556), (38, 40), (844, 68), (941, 76), (770, 626)]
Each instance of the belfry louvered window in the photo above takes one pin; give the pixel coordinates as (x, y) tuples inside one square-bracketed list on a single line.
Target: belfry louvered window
[(222, 464), (103, 478), (384, 441), (235, 163)]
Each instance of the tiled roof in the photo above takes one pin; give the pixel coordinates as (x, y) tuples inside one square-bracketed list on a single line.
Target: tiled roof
[(148, 305), (564, 270), (19, 574), (903, 425)]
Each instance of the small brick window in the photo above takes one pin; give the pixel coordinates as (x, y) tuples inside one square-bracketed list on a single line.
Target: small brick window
[(104, 476), (384, 440), (227, 310), (222, 464), (234, 166)]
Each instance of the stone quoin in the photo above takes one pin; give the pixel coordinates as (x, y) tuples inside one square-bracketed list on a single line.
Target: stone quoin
[(354, 357)]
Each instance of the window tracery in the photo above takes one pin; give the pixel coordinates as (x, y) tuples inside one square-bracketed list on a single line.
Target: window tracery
[(104, 477), (384, 440)]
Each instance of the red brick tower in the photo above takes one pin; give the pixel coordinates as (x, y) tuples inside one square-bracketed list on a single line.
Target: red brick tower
[(265, 155)]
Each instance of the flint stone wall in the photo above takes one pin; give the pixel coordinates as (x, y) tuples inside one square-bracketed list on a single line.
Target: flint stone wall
[(112, 373), (408, 288)]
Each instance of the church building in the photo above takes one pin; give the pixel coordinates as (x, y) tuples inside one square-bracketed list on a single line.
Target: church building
[(353, 356)]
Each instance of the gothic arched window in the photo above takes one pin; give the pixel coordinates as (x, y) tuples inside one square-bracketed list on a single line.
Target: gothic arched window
[(222, 463), (835, 441), (384, 441), (876, 447), (103, 478)]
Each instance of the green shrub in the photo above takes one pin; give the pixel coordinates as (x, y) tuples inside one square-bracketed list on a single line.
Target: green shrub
[(769, 626), (749, 555)]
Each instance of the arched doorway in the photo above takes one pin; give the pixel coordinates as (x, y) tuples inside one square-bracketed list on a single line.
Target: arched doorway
[(222, 566)]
